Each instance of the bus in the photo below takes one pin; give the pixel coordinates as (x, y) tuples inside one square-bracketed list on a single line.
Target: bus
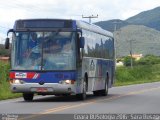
[(60, 57)]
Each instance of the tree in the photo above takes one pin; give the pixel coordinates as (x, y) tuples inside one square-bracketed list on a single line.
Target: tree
[(149, 60), (127, 61)]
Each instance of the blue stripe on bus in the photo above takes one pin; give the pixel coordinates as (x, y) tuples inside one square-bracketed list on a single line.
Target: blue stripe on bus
[(52, 77)]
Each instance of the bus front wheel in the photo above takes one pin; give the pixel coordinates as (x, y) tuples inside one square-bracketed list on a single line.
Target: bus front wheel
[(83, 95), (28, 96)]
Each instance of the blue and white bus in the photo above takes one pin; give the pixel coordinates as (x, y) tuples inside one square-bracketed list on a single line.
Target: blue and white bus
[(60, 57)]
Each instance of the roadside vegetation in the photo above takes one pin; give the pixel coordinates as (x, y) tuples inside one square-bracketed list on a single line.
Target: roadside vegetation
[(145, 70), (5, 92), (137, 74)]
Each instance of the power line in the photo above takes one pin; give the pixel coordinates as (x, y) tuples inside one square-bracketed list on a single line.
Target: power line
[(90, 17)]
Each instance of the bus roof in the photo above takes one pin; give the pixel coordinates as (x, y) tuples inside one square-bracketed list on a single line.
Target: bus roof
[(59, 23), (92, 27)]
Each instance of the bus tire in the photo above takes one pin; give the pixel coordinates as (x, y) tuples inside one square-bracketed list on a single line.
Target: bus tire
[(28, 96), (83, 95), (96, 93), (105, 91)]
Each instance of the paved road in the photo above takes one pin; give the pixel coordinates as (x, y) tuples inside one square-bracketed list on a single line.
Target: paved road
[(144, 98)]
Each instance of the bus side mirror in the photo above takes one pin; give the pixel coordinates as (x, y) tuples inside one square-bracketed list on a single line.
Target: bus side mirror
[(82, 42), (7, 43)]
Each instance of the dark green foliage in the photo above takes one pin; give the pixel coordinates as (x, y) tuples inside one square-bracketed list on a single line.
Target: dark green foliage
[(127, 61), (149, 60), (3, 51), (4, 70), (146, 60), (5, 91)]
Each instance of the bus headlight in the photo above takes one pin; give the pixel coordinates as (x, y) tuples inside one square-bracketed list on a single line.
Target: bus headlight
[(16, 81), (67, 82)]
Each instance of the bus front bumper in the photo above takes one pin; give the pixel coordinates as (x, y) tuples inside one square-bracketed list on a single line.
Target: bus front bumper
[(47, 88)]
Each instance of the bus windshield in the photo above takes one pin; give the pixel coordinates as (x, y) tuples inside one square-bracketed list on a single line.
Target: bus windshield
[(43, 51)]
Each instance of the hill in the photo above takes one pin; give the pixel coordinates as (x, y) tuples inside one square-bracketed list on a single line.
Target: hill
[(150, 18), (142, 29), (110, 24), (144, 40)]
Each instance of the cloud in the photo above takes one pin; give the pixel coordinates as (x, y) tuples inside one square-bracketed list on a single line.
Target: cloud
[(10, 10), (106, 9)]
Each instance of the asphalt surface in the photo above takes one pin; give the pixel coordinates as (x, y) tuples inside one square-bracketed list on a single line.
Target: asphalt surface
[(143, 98)]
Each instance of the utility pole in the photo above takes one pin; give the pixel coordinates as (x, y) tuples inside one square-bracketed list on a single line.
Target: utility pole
[(115, 26), (130, 42), (131, 52), (90, 17)]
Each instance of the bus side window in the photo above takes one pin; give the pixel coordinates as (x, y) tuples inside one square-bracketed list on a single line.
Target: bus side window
[(80, 50)]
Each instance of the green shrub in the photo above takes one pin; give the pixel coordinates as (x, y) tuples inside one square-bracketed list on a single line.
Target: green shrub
[(5, 91), (149, 60), (127, 61), (137, 74)]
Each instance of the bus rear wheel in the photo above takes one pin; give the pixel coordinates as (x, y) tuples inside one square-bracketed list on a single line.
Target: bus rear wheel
[(105, 91), (28, 96)]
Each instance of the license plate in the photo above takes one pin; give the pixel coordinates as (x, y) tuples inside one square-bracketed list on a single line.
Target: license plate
[(41, 89)]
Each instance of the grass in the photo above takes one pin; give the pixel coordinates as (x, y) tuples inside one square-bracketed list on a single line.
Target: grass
[(124, 76), (5, 92), (137, 74)]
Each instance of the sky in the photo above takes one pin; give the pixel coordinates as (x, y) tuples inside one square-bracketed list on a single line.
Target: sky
[(11, 10)]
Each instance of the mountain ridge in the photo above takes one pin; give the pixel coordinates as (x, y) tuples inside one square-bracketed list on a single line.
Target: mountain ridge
[(149, 18)]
